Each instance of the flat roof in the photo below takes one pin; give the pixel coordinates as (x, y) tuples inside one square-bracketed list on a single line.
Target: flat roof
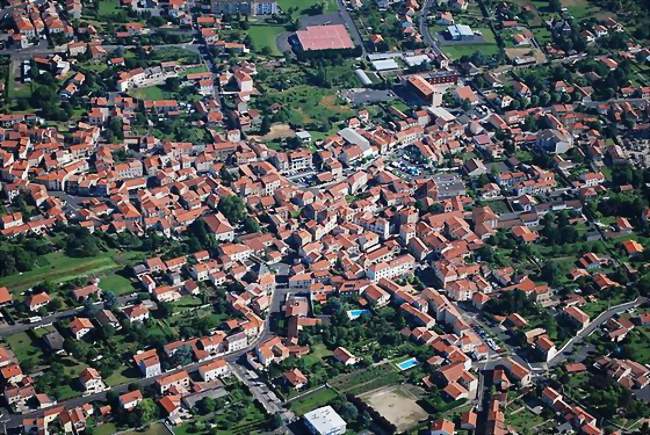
[(416, 60), (384, 65), (326, 37), (325, 420), (461, 30)]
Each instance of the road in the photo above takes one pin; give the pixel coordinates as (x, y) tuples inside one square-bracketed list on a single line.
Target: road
[(603, 317), (21, 327), (424, 27), (352, 27)]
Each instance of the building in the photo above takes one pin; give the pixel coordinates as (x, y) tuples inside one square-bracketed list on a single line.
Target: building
[(244, 7), (326, 37), (554, 141), (213, 370), (324, 421), (460, 32)]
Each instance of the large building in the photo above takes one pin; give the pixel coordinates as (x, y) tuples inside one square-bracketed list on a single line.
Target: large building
[(460, 32), (325, 421), (326, 37), (246, 7)]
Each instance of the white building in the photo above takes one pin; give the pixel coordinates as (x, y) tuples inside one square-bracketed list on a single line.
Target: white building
[(325, 421)]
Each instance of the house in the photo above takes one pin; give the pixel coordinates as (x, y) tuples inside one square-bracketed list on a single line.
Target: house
[(518, 373), (37, 301), (345, 357), (442, 427), (148, 362), (91, 381), (576, 316), (213, 370), (295, 379), (180, 380), (5, 296), (136, 313), (130, 400), (80, 326)]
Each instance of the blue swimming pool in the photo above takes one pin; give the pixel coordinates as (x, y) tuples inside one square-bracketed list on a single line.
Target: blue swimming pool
[(408, 364), (355, 314)]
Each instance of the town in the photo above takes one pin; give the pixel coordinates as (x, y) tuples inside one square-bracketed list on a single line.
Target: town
[(324, 216)]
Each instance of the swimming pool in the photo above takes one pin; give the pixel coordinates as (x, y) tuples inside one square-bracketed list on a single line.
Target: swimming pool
[(355, 314), (408, 364)]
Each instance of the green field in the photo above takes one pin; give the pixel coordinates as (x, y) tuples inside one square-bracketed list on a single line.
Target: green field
[(304, 5), (312, 400), (25, 348), (487, 48), (264, 37), (117, 284), (363, 380), (151, 93), (306, 104), (636, 343), (154, 429), (317, 354), (106, 8), (57, 267)]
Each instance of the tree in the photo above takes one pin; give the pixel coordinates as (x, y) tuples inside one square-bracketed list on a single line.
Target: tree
[(551, 272), (265, 127), (206, 405), (110, 300), (233, 209)]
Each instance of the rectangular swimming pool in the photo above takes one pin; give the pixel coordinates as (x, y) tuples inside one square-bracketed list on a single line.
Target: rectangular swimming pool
[(355, 314), (408, 364)]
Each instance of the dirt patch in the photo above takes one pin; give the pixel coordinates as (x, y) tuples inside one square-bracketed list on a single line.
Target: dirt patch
[(512, 53), (397, 404), (278, 131), (329, 102)]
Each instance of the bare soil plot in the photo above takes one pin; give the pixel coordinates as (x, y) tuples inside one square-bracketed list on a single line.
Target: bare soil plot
[(397, 404)]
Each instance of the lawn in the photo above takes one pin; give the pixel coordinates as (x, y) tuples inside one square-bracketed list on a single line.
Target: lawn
[(304, 5), (265, 36), (306, 105), (457, 51), (519, 416), (151, 93), (25, 348), (105, 429), (57, 267), (636, 343), (106, 8), (154, 429), (317, 354), (367, 379), (312, 400), (116, 283)]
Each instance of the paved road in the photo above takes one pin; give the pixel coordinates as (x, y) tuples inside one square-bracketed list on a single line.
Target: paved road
[(21, 327), (599, 320), (424, 27), (352, 27)]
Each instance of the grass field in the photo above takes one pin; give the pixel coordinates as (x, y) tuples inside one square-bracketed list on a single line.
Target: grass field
[(310, 104), (117, 284), (367, 379), (488, 48), (57, 267), (151, 93), (317, 354), (25, 348), (154, 429), (312, 400), (264, 36), (304, 5), (106, 8), (637, 343)]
